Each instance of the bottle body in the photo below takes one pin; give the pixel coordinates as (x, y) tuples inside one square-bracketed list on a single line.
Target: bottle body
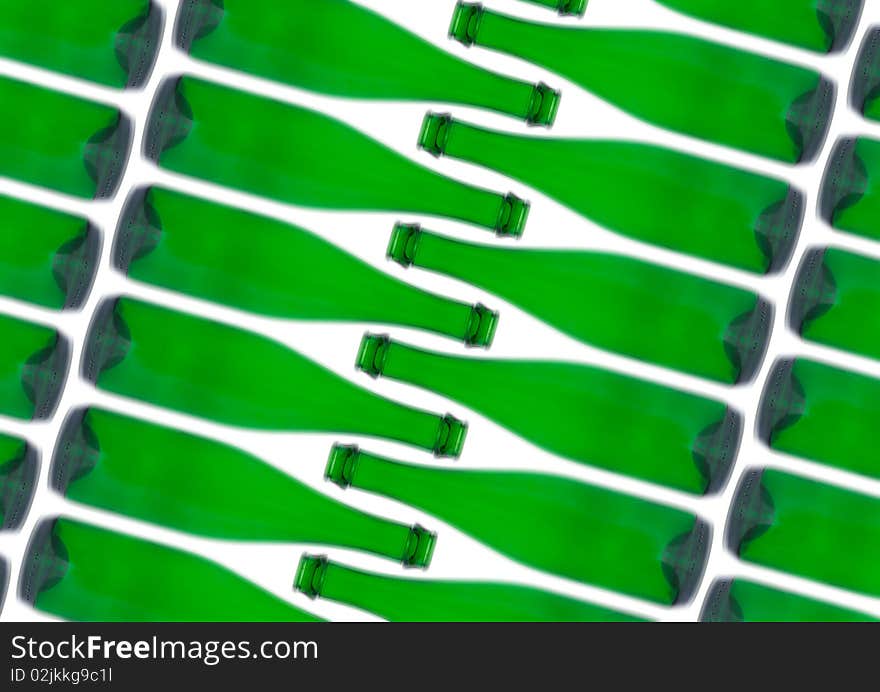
[(807, 528), (411, 600), (819, 412), (679, 82), (19, 465), (78, 571), (111, 43), (684, 203), (310, 45), (255, 263), (591, 415), (740, 600), (568, 528), (864, 88), (850, 195), (47, 257), (33, 368), (232, 376), (83, 154), (835, 299), (620, 309), (824, 26), (296, 155), (196, 485)]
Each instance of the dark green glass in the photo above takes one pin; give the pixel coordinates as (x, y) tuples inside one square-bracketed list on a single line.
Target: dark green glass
[(255, 263), (641, 191), (740, 600), (82, 154), (47, 257), (236, 377), (113, 43), (595, 416), (204, 487), (850, 193), (680, 82), (19, 464), (835, 301), (564, 7), (304, 157), (808, 528), (420, 600), (864, 88), (565, 527), (78, 571), (33, 368), (823, 413), (338, 47), (694, 325), (825, 26)]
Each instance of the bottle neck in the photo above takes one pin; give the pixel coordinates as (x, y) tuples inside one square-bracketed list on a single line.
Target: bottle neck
[(316, 576)]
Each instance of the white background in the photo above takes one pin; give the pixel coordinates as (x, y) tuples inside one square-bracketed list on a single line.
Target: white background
[(519, 335)]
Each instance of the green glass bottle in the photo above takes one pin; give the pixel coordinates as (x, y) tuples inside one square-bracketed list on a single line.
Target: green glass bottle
[(19, 464), (420, 600), (835, 300), (676, 81), (630, 426), (850, 193), (33, 368), (78, 571), (203, 487), (740, 600), (807, 528), (824, 26), (864, 88), (297, 155), (555, 524), (236, 377), (82, 154), (113, 43), (47, 257), (694, 325), (564, 7), (338, 47), (255, 263), (823, 413), (645, 192)]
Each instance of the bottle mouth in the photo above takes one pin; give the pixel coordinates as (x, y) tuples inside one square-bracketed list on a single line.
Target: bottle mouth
[(310, 574), (715, 450), (169, 121), (419, 548), (137, 45), (18, 479)]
